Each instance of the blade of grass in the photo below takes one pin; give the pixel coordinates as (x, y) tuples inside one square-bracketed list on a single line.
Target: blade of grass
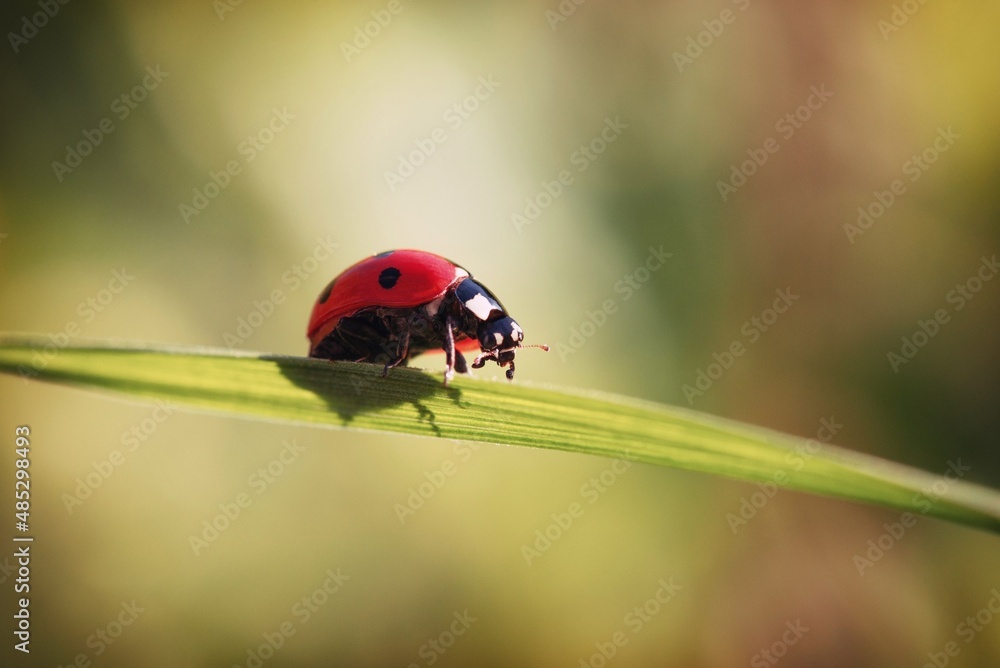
[(304, 391)]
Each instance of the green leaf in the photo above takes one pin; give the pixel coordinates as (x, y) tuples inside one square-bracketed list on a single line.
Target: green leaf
[(343, 394)]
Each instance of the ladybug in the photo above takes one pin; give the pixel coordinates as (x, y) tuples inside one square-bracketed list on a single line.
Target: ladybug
[(400, 303)]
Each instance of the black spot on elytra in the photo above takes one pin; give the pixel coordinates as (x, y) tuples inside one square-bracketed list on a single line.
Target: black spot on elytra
[(323, 296), (387, 279)]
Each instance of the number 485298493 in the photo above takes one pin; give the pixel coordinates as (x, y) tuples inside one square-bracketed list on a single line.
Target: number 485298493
[(22, 486)]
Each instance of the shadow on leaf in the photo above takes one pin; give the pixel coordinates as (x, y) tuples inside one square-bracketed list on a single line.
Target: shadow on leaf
[(351, 388)]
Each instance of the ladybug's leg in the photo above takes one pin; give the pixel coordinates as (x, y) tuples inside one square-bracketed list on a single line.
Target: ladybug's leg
[(460, 365), (480, 360), (449, 351), (402, 348)]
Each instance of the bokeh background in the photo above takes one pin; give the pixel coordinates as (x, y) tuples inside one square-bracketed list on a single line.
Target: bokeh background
[(312, 114)]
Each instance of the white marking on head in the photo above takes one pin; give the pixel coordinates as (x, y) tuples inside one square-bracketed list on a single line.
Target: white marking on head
[(480, 306), (498, 337)]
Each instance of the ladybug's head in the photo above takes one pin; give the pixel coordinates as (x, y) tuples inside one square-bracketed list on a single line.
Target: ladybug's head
[(499, 339), (497, 333), (501, 335)]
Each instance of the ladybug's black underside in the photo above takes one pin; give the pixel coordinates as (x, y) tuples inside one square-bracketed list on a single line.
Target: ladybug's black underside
[(392, 336)]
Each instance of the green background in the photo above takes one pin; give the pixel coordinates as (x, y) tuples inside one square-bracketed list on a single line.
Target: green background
[(314, 197)]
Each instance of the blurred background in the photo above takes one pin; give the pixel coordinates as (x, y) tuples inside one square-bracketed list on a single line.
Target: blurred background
[(644, 185)]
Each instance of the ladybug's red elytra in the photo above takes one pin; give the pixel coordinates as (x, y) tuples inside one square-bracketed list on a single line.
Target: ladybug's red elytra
[(400, 303)]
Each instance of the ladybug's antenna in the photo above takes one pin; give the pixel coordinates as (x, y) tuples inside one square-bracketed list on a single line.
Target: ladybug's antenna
[(535, 345)]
